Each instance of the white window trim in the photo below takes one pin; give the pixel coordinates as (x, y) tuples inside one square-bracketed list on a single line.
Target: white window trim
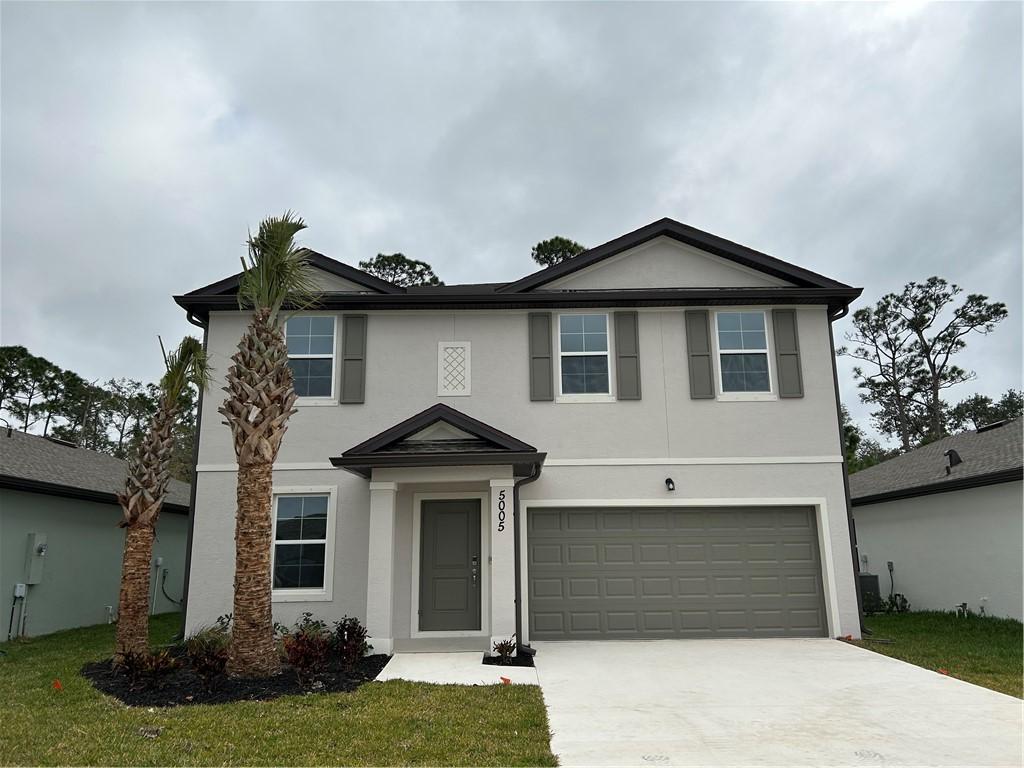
[(332, 399), (306, 595), (768, 351), (468, 389), (485, 560), (596, 397)]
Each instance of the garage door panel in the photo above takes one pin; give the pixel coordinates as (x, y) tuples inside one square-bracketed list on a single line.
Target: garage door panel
[(694, 572)]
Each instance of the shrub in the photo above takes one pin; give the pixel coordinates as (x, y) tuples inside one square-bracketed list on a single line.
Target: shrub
[(207, 652), (350, 641), (146, 670), (505, 649), (307, 646)]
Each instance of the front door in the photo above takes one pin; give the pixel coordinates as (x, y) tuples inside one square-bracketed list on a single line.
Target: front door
[(450, 565)]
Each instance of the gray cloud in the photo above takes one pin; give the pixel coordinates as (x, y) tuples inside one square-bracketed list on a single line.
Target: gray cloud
[(874, 143)]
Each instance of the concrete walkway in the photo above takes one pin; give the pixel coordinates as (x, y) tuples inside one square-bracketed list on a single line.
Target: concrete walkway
[(766, 702), (453, 668)]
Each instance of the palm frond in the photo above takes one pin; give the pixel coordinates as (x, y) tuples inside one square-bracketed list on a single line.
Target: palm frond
[(276, 271), (186, 365)]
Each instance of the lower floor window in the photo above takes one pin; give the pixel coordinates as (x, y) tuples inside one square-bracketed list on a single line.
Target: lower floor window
[(300, 541)]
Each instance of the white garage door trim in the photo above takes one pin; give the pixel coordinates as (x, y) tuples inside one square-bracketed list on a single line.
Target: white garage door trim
[(820, 510)]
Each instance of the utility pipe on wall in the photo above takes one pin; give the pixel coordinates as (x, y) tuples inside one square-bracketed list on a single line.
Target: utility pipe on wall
[(517, 549)]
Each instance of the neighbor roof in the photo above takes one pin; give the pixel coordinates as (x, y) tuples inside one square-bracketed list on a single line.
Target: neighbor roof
[(991, 455), (39, 465), (806, 287)]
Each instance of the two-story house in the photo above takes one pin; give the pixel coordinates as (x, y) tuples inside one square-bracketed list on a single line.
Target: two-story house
[(640, 442)]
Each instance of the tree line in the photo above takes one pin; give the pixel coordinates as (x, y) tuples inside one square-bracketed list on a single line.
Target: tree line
[(111, 417)]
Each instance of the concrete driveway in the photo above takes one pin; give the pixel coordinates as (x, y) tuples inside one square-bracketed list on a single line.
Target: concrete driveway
[(766, 702)]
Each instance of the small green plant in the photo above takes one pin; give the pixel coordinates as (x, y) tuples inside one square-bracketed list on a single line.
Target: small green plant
[(207, 653), (505, 649), (897, 603), (350, 641), (306, 647)]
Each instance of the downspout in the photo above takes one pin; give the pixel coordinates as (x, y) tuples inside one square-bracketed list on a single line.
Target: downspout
[(517, 545), (192, 491), (846, 475)]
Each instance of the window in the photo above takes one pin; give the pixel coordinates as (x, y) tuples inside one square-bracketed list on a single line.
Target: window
[(300, 541), (583, 354), (311, 354), (743, 352)]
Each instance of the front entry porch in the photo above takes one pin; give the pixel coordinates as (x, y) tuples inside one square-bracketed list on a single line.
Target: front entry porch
[(442, 570)]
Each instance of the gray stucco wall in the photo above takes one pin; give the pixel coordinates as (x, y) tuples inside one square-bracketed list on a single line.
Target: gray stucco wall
[(662, 262), (402, 380), (950, 548), (791, 446), (82, 566)]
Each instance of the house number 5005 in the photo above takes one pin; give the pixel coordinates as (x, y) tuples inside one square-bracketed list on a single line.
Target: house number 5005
[(501, 510)]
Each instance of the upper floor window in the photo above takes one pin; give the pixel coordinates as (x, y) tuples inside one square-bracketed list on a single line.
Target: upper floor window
[(300, 541), (583, 354), (311, 354), (743, 352)]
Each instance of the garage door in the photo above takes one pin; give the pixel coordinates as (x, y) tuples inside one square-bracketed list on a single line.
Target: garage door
[(674, 572)]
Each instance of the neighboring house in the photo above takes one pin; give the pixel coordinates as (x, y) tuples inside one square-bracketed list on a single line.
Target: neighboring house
[(59, 536), (661, 409), (948, 516)]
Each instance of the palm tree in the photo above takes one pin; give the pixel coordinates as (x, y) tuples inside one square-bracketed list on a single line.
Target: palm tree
[(261, 398), (144, 492)]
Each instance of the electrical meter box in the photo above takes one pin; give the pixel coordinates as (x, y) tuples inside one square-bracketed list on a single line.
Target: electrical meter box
[(35, 557)]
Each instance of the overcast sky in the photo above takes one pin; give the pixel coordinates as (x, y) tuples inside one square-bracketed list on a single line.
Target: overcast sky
[(876, 144)]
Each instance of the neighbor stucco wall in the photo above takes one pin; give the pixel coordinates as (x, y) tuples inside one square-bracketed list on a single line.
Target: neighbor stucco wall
[(949, 548), (82, 566)]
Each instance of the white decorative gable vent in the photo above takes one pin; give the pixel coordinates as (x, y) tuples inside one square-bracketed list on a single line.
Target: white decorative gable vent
[(453, 368)]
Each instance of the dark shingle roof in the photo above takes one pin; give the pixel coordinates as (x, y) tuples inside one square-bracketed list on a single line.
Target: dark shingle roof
[(991, 453), (40, 464)]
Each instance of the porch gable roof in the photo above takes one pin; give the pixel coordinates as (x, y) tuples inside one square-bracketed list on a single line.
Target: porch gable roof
[(476, 444)]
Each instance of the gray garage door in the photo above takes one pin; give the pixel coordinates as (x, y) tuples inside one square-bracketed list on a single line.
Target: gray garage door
[(674, 572)]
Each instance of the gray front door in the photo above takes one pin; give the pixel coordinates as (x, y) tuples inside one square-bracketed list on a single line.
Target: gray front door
[(450, 565), (674, 572)]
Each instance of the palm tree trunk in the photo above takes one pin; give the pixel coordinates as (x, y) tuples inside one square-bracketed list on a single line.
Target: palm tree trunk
[(133, 604), (253, 653)]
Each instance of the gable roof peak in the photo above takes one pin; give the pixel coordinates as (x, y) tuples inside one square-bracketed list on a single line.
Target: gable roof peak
[(683, 233)]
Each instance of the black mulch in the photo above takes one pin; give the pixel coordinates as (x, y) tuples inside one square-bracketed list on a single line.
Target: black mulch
[(515, 661), (183, 686)]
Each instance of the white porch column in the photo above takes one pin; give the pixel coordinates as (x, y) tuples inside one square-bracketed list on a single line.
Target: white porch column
[(380, 592), (503, 583)]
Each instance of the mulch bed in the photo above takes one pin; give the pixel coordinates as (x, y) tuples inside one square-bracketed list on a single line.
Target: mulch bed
[(515, 661), (183, 686)]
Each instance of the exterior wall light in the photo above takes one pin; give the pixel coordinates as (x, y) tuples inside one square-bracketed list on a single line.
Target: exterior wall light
[(670, 484)]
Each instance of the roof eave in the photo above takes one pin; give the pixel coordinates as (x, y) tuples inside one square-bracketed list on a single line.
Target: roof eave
[(364, 464), (957, 484), (71, 492), (835, 299)]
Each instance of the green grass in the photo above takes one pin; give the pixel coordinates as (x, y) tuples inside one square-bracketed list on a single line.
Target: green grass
[(389, 723), (981, 650)]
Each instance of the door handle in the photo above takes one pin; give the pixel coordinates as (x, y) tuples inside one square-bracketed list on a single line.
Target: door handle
[(473, 571)]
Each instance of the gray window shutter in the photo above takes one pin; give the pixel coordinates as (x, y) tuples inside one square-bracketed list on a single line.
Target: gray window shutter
[(353, 359), (787, 353), (627, 356), (542, 382), (698, 350)]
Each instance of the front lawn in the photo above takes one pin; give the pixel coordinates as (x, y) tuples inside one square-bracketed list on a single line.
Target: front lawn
[(389, 723), (981, 650)]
